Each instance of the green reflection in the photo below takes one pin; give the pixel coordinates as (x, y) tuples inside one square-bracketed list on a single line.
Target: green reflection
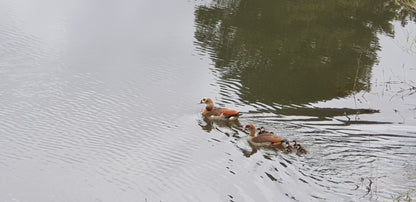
[(294, 52)]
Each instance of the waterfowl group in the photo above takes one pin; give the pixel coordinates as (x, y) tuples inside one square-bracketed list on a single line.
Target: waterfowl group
[(257, 136)]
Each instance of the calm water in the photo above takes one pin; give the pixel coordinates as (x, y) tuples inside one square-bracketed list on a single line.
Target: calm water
[(98, 100)]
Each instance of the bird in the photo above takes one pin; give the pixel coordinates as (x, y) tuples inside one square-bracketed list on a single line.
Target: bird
[(265, 139), (299, 148), (289, 148), (295, 145), (218, 113), (263, 131)]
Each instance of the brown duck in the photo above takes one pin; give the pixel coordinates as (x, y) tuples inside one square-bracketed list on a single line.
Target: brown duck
[(265, 139), (218, 113)]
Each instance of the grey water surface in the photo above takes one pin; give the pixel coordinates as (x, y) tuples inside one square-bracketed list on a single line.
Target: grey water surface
[(99, 100)]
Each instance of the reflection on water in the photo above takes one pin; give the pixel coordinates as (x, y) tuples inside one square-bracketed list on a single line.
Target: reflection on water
[(294, 52), (209, 124), (98, 101)]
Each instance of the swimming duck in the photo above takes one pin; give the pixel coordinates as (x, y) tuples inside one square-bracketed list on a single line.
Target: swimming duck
[(265, 139), (263, 131), (219, 113), (295, 145), (299, 148), (289, 148)]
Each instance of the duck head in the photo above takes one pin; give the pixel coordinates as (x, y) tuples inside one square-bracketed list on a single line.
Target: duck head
[(209, 103), (250, 128)]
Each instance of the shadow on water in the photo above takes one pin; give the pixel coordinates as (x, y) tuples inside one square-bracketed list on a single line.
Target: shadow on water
[(294, 52)]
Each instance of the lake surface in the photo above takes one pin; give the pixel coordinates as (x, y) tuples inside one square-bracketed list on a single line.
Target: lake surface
[(99, 100)]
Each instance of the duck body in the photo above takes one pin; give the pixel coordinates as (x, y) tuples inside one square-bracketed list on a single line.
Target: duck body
[(264, 139), (218, 113)]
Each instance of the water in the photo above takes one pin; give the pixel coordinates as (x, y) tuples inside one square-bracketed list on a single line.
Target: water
[(99, 100)]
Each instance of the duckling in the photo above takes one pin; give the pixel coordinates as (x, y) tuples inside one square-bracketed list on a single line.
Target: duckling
[(265, 139), (218, 113), (263, 131), (289, 148), (300, 149), (294, 145)]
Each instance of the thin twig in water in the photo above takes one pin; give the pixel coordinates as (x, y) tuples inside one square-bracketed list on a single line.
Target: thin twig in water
[(355, 79), (397, 111), (364, 97), (369, 186), (346, 115)]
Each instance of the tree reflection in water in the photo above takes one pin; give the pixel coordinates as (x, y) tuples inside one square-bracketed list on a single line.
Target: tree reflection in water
[(294, 52)]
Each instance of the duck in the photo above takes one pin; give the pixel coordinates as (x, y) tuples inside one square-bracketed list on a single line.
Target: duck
[(289, 148), (218, 113), (299, 148), (295, 143), (263, 131), (265, 139)]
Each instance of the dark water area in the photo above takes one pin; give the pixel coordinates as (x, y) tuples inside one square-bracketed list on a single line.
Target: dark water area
[(99, 100)]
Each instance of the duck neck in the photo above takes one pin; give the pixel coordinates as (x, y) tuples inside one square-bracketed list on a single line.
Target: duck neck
[(253, 133), (209, 107)]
